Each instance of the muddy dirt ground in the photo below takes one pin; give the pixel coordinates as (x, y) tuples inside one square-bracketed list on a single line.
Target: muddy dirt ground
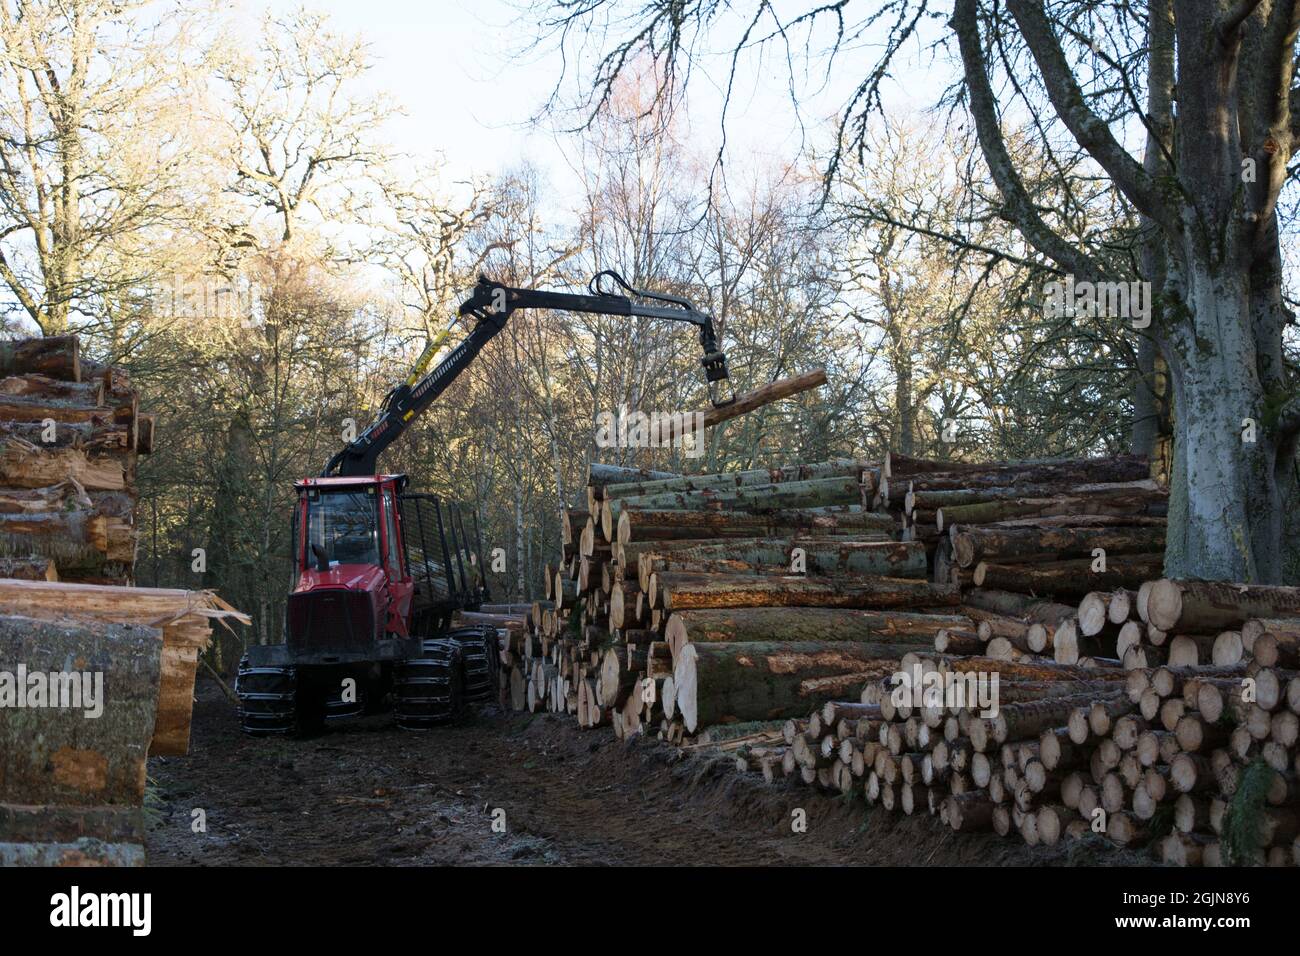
[(365, 793)]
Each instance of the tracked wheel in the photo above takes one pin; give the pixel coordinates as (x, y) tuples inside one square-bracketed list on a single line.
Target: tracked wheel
[(272, 701), (481, 660), (430, 689)]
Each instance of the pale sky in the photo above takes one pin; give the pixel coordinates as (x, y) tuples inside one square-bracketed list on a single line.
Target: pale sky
[(454, 68)]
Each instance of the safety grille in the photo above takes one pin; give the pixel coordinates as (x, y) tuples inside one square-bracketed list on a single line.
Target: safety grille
[(332, 620)]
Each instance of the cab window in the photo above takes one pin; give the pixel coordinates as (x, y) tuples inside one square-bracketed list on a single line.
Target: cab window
[(390, 531)]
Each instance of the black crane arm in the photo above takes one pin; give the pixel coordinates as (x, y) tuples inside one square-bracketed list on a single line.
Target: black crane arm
[(491, 304)]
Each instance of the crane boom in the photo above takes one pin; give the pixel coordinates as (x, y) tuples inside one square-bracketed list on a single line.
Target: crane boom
[(491, 305)]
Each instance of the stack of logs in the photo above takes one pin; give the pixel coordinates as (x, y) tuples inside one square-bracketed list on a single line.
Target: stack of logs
[(722, 609), (687, 602), (72, 789), (70, 433), (1197, 763)]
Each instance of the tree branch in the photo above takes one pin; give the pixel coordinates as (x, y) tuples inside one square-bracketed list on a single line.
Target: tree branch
[(1088, 128), (983, 107), (1231, 20)]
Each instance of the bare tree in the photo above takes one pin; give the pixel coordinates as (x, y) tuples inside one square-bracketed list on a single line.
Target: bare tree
[(301, 135), (93, 102), (1206, 189)]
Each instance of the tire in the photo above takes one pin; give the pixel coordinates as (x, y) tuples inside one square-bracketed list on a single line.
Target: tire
[(481, 661), (273, 702), (430, 689)]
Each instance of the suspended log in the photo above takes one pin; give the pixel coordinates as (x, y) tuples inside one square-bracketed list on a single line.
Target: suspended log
[(763, 395)]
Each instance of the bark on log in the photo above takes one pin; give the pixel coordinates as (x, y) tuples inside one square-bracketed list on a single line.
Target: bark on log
[(821, 556), (1069, 578), (56, 357), (690, 591), (763, 395), (731, 480), (25, 465), (54, 754), (29, 569), (772, 624), (993, 543), (673, 525), (183, 616), (1118, 468), (934, 500), (600, 475), (1202, 606), (817, 493), (725, 682), (1135, 502)]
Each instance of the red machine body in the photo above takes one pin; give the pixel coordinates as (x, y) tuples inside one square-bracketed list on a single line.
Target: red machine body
[(357, 523)]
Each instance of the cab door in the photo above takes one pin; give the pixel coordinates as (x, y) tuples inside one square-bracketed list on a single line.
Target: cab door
[(400, 586)]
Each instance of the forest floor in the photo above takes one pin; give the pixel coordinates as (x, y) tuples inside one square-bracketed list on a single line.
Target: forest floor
[(365, 793)]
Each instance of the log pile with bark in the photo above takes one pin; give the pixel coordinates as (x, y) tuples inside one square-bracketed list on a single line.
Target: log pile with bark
[(93, 679), (1194, 761), (939, 637), (70, 435), (684, 603), (1059, 527)]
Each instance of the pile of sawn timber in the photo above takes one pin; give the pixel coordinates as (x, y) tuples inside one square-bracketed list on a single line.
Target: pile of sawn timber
[(70, 434), (72, 786)]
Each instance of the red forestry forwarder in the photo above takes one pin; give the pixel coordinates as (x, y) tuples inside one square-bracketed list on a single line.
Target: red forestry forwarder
[(380, 572)]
